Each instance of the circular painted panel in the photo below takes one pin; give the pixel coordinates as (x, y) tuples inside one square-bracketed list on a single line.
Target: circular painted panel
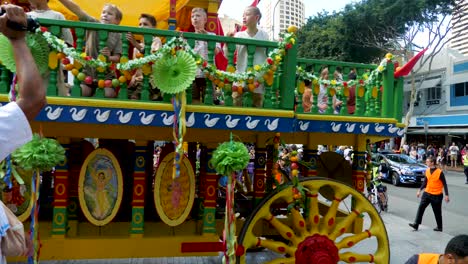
[(174, 197), (100, 187), (18, 198)]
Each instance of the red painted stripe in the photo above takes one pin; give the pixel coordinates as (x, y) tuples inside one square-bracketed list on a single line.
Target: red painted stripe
[(187, 247)]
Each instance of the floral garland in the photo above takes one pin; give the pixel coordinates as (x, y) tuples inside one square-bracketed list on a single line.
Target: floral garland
[(248, 80), (368, 79)]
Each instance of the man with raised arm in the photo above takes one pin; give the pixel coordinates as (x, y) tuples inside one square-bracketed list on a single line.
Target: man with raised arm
[(15, 116)]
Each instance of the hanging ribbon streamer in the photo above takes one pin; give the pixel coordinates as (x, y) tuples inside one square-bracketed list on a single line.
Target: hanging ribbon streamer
[(179, 129), (229, 158), (7, 177), (33, 230), (229, 234)]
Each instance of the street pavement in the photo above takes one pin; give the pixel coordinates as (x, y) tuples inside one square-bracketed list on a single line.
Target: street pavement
[(403, 241)]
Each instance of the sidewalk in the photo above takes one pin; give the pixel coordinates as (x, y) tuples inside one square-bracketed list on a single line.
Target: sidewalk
[(403, 244)]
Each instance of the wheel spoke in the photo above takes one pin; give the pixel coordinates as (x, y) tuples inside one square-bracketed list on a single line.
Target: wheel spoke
[(350, 241), (278, 247), (299, 223), (285, 231), (313, 219), (329, 220), (343, 225), (352, 257)]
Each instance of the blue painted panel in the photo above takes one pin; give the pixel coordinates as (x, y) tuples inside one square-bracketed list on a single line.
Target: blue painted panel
[(349, 128), (457, 100), (111, 116), (443, 120), (460, 67), (159, 118)]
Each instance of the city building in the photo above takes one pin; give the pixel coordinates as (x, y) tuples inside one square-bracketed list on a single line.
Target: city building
[(460, 28), (278, 15), (440, 114)]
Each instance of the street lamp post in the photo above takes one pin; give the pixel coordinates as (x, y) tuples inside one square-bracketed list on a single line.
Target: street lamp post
[(273, 26)]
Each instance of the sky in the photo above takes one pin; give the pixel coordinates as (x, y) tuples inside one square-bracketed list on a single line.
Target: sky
[(235, 8)]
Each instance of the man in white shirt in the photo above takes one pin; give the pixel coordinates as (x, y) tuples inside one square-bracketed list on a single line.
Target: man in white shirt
[(15, 116)]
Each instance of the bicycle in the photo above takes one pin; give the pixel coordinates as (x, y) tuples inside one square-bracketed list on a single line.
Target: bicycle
[(377, 195)]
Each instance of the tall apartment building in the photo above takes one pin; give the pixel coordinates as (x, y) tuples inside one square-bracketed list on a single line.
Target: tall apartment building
[(460, 28), (278, 15)]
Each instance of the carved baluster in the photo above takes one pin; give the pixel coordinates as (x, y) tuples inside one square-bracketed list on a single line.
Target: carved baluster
[(80, 35), (123, 92)]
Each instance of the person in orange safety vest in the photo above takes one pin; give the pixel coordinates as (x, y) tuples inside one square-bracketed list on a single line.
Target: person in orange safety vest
[(456, 252), (434, 184)]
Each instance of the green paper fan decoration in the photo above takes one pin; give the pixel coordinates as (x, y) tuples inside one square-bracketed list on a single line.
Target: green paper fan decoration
[(39, 154), (174, 74), (230, 157), (39, 50)]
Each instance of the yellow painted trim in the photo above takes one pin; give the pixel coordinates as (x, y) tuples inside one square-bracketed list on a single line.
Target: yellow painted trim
[(59, 248), (89, 102), (165, 171), (345, 118), (239, 111), (81, 182)]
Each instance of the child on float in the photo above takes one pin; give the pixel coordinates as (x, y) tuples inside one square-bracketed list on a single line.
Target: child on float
[(307, 98), (136, 83), (40, 9), (110, 14), (250, 19), (199, 19), (322, 97)]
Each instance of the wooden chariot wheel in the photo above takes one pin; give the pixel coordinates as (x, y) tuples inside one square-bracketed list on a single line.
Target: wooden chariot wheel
[(322, 232)]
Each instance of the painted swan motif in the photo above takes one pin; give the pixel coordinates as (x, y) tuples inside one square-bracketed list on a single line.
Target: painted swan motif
[(191, 120), (303, 125), (364, 129), (146, 120), (335, 127), (167, 120), (401, 132), (350, 127), (210, 122), (251, 124), (53, 115), (102, 117), (272, 125), (231, 123), (392, 129), (378, 128), (124, 118), (78, 115)]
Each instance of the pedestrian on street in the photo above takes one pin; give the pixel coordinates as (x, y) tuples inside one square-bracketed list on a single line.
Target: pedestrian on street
[(15, 116), (434, 184), (456, 252), (465, 165)]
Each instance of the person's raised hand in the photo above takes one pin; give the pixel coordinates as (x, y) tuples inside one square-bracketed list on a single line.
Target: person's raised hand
[(14, 14), (105, 51)]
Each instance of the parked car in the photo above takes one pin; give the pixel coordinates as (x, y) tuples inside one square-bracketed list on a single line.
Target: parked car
[(402, 168)]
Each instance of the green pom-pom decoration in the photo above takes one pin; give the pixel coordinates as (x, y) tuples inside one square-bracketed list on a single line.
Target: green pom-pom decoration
[(230, 157), (174, 74), (39, 154), (39, 50)]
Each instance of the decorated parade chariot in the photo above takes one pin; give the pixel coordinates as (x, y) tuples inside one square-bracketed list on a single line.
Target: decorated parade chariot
[(96, 194)]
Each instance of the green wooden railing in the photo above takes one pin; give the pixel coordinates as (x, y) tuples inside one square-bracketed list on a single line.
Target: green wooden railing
[(280, 95)]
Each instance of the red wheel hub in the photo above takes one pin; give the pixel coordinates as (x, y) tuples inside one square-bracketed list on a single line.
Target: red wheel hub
[(317, 249)]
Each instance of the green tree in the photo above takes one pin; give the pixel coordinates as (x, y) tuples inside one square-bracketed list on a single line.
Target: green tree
[(366, 30)]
